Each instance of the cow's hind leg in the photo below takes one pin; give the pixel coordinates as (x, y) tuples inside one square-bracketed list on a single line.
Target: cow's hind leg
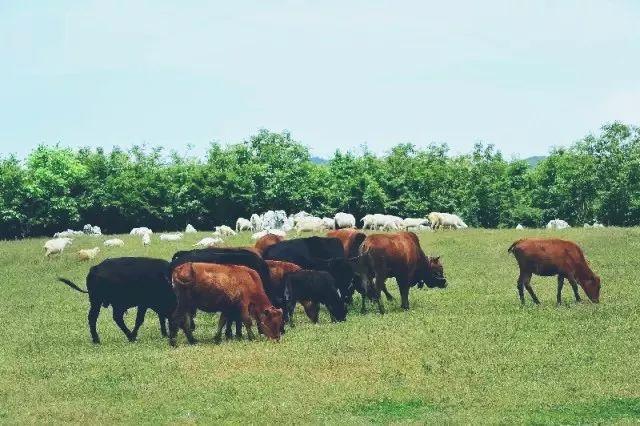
[(222, 322), (527, 285), (94, 311), (560, 284), (142, 310), (524, 277), (386, 292), (163, 326), (118, 317), (312, 309)]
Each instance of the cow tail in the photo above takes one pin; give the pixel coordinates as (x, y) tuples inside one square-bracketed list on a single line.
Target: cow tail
[(72, 285), (515, 243)]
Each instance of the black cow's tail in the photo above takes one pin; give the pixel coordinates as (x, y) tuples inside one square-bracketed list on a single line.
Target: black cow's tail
[(515, 243), (72, 285)]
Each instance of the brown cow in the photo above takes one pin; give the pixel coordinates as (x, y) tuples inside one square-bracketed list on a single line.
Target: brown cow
[(548, 257), (235, 291), (266, 241), (399, 255), (350, 239)]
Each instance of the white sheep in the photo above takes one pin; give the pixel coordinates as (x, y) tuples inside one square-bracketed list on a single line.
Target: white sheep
[(88, 254), (114, 242), (57, 245), (171, 237), (224, 231), (190, 229), (243, 224), (208, 242), (146, 239), (141, 231)]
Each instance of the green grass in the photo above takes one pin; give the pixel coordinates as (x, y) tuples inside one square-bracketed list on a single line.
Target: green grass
[(466, 354)]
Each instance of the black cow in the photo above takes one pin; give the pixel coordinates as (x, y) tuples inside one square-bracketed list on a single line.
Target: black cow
[(314, 287), (319, 254), (123, 283)]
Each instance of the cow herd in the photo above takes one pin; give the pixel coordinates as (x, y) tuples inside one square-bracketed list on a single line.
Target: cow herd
[(263, 284)]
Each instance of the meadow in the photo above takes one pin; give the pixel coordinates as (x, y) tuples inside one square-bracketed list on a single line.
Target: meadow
[(466, 354)]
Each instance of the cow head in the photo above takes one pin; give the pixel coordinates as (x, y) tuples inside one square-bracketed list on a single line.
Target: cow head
[(591, 287), (342, 271), (337, 307), (183, 274), (432, 274), (270, 322)]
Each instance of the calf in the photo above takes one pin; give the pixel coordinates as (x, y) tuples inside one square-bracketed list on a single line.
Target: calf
[(549, 257), (126, 282), (315, 287), (233, 290)]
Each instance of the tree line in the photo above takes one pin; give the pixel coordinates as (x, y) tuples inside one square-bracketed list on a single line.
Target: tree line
[(56, 188)]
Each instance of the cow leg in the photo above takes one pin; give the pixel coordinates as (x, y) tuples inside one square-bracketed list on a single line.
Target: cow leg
[(222, 322), (376, 290), (560, 284), (92, 317), (386, 292), (521, 280), (312, 309), (228, 332), (142, 310), (527, 285), (246, 320), (574, 287), (363, 309), (163, 327), (238, 329), (404, 295), (188, 329), (118, 317)]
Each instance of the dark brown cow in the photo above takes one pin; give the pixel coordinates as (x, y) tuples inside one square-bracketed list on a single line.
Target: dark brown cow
[(278, 270), (548, 257), (350, 239), (266, 241), (399, 255), (234, 291)]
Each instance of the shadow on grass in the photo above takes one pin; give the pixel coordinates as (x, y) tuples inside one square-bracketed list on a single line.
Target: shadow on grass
[(605, 410)]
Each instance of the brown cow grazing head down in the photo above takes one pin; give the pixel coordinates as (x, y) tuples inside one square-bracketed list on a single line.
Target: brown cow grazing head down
[(552, 256), (432, 274), (270, 322)]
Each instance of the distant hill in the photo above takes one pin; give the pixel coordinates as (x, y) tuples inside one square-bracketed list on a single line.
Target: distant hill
[(318, 160), (533, 161)]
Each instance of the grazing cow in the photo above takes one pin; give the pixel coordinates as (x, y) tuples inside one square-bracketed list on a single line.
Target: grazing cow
[(123, 283), (350, 239), (57, 245), (243, 224), (558, 224), (88, 254), (549, 257), (317, 253), (171, 237), (344, 220), (399, 255), (234, 256), (314, 287), (233, 290), (266, 241), (190, 229), (114, 242)]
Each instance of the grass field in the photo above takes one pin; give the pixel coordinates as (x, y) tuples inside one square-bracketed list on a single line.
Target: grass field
[(466, 354)]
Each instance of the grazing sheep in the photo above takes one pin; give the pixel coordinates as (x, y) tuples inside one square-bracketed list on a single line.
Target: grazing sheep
[(67, 233), (598, 225), (329, 223), (445, 220), (114, 242), (224, 231), (208, 242), (310, 224), (557, 224), (256, 222), (519, 226), (92, 230), (243, 224), (141, 231), (344, 220), (88, 254), (413, 223), (171, 237), (146, 239), (261, 234), (57, 245), (586, 225), (190, 229)]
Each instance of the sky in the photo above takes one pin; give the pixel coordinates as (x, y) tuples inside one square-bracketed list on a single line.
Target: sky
[(522, 75)]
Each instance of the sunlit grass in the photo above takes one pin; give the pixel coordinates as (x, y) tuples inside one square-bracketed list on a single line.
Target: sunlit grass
[(468, 353)]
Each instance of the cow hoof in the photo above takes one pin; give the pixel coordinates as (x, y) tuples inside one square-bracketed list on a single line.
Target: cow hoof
[(96, 341)]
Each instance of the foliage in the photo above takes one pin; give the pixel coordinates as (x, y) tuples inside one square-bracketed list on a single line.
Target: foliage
[(56, 188)]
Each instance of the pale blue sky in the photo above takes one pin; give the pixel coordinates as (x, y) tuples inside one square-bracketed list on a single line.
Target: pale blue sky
[(524, 76)]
